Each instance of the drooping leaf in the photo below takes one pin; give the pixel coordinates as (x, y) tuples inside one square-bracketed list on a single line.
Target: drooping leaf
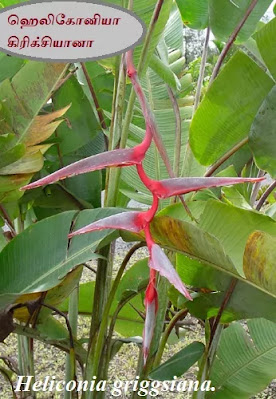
[(179, 363), (228, 109), (12, 155), (30, 162), (39, 257), (252, 354), (263, 134), (53, 297)]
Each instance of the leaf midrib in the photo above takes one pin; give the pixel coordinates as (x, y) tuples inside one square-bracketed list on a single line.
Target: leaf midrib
[(229, 376)]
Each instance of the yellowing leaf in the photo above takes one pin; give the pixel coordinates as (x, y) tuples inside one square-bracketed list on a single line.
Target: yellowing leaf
[(44, 126), (259, 262)]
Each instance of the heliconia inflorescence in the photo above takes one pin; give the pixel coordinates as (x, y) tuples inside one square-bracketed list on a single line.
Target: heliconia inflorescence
[(140, 221)]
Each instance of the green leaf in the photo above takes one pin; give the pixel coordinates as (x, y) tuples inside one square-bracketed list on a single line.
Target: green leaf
[(226, 14), (223, 16), (263, 134), (3, 241), (39, 257), (252, 354), (265, 39), (165, 72), (245, 303), (228, 109), (194, 13), (9, 66), (128, 322), (12, 155), (51, 328), (103, 84), (82, 125), (179, 363), (88, 186), (30, 162), (133, 279)]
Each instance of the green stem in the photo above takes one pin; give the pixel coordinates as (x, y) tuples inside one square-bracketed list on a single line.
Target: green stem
[(211, 347), (105, 317), (177, 148), (70, 366), (179, 316), (202, 70), (105, 266)]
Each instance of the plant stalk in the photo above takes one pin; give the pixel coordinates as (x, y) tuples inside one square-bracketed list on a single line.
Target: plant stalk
[(202, 70), (226, 156), (256, 188), (104, 321), (265, 195), (179, 316), (73, 320)]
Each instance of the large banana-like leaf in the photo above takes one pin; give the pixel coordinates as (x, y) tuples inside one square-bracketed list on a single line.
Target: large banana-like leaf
[(266, 45), (232, 226), (263, 134), (222, 16), (38, 258), (246, 302), (53, 297), (218, 240), (252, 365), (228, 109)]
